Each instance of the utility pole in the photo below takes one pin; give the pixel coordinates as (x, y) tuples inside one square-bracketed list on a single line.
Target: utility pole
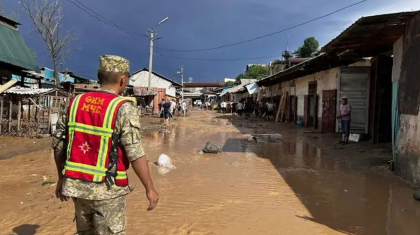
[(182, 82), (152, 39)]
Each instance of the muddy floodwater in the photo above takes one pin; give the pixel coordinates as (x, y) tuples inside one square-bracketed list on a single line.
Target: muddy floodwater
[(257, 187)]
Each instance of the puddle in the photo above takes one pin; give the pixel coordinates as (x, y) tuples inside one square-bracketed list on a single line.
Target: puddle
[(263, 187), (333, 193)]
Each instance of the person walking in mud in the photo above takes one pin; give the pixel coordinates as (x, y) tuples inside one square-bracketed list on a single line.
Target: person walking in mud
[(167, 111), (95, 142), (345, 119)]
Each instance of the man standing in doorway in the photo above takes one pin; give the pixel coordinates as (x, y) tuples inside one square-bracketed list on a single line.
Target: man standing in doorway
[(345, 117)]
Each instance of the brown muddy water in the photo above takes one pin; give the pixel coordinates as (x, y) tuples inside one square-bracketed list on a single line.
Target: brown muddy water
[(252, 188)]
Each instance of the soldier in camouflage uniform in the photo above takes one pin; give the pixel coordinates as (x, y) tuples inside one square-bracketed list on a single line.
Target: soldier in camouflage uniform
[(100, 207)]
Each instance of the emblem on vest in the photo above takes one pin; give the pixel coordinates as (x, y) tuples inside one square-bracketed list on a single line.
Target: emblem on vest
[(85, 147), (93, 104)]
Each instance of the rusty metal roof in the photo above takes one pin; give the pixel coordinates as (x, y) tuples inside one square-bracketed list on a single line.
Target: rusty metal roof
[(372, 34)]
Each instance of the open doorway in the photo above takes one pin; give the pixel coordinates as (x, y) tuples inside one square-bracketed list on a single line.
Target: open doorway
[(380, 115), (311, 106), (329, 110), (292, 109)]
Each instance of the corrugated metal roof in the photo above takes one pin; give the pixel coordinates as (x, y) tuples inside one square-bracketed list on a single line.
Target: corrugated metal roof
[(28, 91), (373, 33), (13, 49)]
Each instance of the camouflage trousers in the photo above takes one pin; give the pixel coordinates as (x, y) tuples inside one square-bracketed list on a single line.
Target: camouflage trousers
[(103, 217)]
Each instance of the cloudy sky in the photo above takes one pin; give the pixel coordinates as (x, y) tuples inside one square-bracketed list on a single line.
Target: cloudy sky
[(198, 25)]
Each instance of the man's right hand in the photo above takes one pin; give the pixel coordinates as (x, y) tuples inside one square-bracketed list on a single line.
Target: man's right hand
[(153, 197)]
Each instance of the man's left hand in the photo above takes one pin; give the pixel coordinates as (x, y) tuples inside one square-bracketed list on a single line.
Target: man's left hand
[(58, 190)]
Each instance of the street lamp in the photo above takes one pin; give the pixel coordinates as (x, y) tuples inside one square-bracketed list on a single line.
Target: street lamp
[(152, 39)]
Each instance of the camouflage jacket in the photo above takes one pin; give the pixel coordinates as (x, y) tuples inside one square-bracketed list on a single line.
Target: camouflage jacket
[(128, 127)]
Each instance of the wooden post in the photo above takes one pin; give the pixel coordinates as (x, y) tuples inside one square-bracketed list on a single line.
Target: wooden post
[(1, 112), (50, 100), (10, 116), (19, 112)]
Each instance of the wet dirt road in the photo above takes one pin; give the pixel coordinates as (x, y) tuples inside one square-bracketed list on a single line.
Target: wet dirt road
[(268, 187)]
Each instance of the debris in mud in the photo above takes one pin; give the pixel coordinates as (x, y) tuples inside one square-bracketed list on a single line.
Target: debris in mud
[(48, 183), (416, 195), (165, 161), (165, 164), (264, 137), (212, 148)]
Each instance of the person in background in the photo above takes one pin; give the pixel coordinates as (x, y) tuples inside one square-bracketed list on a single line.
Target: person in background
[(257, 108), (223, 105), (184, 108), (240, 108), (161, 108), (173, 108), (166, 111), (202, 106), (345, 118), (270, 110), (179, 109)]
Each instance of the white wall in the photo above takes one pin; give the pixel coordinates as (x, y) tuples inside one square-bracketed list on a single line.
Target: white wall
[(141, 80), (326, 80)]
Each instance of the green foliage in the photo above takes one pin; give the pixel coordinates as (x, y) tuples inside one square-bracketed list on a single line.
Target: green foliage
[(229, 84), (277, 67), (240, 76), (254, 72), (308, 49)]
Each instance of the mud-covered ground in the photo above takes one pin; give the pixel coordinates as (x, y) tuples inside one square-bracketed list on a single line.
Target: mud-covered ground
[(303, 184)]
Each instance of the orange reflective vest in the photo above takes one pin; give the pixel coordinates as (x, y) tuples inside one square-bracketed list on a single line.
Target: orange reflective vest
[(91, 146)]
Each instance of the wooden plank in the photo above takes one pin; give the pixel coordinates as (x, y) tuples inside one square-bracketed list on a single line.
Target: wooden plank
[(49, 115), (1, 112), (278, 110), (19, 113), (10, 116)]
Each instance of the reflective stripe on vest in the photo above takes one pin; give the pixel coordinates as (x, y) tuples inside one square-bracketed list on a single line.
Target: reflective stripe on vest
[(105, 132)]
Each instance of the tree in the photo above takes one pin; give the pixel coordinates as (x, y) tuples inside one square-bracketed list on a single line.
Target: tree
[(47, 16), (229, 84), (254, 72), (308, 49)]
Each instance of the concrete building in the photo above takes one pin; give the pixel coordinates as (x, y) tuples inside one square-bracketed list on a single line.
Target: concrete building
[(161, 88), (384, 90), (141, 79)]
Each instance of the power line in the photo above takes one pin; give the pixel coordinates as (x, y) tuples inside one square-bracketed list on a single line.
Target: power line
[(218, 59), (267, 35), (100, 18)]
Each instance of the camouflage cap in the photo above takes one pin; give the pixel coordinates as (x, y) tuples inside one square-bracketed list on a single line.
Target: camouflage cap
[(113, 63)]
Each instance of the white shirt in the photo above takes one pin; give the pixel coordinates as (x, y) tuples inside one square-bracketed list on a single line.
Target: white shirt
[(223, 105), (270, 106), (240, 106), (184, 106)]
